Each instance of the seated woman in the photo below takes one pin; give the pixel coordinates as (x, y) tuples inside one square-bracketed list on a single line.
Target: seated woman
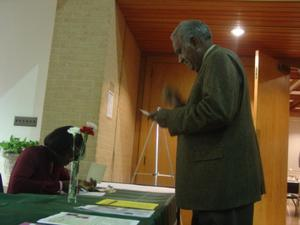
[(41, 169)]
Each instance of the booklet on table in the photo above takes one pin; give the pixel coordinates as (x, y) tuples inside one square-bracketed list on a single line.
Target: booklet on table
[(117, 210), (71, 218)]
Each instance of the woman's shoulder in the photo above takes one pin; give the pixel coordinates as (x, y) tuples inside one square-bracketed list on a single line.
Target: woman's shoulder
[(39, 150)]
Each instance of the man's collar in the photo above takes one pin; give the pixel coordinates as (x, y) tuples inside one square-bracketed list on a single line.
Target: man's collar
[(207, 51)]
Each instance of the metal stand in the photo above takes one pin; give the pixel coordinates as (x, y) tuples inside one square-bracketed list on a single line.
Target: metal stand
[(156, 173)]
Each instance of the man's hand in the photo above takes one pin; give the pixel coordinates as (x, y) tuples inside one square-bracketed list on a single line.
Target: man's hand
[(159, 116)]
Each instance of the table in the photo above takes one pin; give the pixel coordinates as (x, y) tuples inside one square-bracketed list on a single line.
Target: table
[(18, 208)]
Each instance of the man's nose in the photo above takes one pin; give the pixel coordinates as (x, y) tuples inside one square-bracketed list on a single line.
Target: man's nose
[(180, 59)]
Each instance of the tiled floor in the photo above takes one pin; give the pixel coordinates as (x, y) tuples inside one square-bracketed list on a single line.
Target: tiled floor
[(291, 218)]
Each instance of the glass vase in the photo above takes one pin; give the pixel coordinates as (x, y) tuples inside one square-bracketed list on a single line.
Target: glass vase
[(73, 186)]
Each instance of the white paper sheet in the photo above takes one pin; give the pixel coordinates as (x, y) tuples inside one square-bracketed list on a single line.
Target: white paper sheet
[(135, 187), (91, 193), (70, 218), (118, 211)]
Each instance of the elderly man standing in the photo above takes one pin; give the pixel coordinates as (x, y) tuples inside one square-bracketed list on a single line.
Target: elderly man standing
[(219, 172)]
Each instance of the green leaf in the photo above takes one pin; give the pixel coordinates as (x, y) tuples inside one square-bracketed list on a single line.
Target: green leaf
[(16, 145)]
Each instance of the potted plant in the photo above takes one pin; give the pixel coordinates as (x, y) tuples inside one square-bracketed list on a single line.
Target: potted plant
[(9, 152)]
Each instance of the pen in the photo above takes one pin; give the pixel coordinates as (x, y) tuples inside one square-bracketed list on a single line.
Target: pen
[(112, 202), (83, 189)]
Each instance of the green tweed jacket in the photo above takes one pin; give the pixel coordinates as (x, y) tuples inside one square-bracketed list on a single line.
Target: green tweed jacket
[(218, 163)]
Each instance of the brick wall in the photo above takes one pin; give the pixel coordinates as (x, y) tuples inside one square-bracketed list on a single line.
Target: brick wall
[(86, 61), (121, 76)]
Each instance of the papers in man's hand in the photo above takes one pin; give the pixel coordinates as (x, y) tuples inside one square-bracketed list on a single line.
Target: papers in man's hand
[(146, 113), (128, 204), (70, 218), (117, 210)]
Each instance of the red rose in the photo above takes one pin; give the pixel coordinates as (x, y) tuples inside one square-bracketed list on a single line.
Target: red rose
[(87, 130)]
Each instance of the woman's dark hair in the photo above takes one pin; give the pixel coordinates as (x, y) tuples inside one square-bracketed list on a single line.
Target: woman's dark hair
[(61, 142)]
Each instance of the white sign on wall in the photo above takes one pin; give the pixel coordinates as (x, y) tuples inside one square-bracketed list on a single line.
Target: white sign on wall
[(110, 104)]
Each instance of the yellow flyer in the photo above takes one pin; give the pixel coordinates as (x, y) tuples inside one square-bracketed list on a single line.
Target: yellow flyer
[(128, 204)]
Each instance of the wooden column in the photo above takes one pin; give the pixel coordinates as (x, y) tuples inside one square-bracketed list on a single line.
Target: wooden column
[(271, 115)]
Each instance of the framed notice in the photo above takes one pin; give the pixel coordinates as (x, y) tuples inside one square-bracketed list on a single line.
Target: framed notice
[(110, 104)]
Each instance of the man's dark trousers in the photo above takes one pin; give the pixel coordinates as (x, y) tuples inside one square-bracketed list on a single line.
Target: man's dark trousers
[(237, 216)]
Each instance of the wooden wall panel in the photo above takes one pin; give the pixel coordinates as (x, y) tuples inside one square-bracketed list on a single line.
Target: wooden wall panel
[(159, 72), (127, 107), (248, 63), (121, 76), (112, 73), (272, 129)]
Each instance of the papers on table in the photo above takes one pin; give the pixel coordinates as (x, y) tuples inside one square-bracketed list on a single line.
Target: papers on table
[(91, 193), (27, 223), (136, 187), (117, 211), (68, 218), (127, 204)]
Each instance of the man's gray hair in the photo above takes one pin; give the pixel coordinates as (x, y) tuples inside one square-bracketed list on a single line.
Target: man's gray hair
[(191, 28)]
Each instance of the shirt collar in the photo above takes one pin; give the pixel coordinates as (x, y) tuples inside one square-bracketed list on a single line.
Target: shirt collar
[(207, 51)]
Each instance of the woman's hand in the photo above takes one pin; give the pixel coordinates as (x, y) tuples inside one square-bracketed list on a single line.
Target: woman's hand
[(88, 185)]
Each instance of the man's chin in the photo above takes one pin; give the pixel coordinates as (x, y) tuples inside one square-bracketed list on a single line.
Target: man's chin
[(190, 66)]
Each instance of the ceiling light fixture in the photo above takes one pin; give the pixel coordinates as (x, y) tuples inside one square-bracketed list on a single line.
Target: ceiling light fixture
[(237, 31)]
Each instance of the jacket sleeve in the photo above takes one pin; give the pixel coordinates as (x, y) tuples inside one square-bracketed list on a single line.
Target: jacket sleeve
[(64, 174), (220, 101), (21, 181)]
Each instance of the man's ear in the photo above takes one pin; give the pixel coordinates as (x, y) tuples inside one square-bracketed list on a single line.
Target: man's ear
[(196, 42)]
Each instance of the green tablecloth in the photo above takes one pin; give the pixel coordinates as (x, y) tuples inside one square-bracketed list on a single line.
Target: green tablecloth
[(18, 208)]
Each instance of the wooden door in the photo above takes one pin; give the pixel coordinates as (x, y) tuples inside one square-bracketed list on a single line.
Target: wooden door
[(271, 110), (160, 71)]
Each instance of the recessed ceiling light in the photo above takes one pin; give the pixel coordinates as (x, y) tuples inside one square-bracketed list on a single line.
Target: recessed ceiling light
[(237, 31)]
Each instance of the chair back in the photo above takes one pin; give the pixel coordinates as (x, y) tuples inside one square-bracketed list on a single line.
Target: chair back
[(96, 171)]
